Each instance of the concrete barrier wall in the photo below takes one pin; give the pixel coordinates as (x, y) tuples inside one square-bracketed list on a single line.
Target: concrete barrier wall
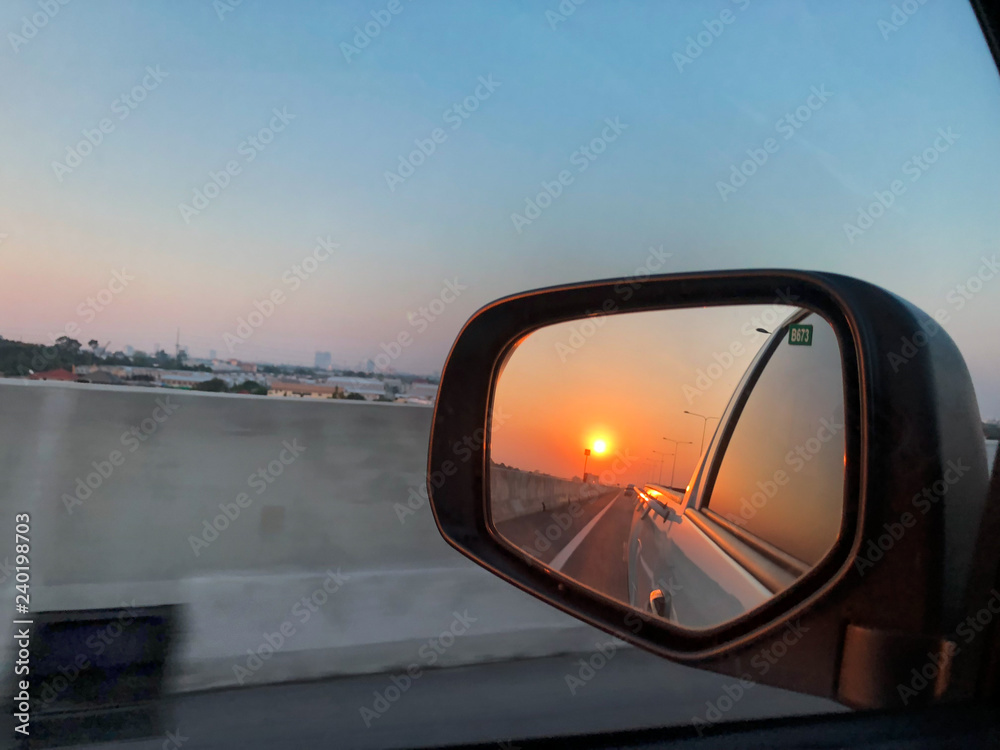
[(253, 513), (515, 493)]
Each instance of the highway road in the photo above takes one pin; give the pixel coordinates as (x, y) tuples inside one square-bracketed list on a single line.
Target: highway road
[(584, 540), (496, 703), (499, 702)]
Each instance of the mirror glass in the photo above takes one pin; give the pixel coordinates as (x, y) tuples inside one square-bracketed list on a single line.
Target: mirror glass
[(688, 462)]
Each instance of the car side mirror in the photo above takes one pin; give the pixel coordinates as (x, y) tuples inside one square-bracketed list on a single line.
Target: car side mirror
[(764, 497), (772, 536)]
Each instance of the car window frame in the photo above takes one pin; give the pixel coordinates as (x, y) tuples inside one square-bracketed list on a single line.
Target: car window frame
[(742, 545)]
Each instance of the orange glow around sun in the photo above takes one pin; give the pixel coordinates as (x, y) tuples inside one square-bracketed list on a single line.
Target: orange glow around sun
[(617, 394)]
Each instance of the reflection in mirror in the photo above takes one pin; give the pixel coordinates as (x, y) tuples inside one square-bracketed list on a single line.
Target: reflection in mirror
[(689, 463)]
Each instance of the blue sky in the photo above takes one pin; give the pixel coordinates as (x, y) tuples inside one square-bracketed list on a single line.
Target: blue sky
[(324, 174)]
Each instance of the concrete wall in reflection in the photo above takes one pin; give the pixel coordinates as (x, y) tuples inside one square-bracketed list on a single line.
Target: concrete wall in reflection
[(515, 493)]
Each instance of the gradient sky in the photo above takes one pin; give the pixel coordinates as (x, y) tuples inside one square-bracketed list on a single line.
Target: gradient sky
[(656, 185), (626, 382)]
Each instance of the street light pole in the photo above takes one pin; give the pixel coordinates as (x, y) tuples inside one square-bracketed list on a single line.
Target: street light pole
[(586, 455), (660, 476), (704, 424), (677, 445)]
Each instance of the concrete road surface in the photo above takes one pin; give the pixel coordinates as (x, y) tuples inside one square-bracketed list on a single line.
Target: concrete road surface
[(499, 702), (585, 540)]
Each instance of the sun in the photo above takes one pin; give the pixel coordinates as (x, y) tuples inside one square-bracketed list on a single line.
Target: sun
[(600, 446)]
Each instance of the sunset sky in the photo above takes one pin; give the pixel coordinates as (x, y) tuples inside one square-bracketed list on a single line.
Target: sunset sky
[(63, 235), (628, 384)]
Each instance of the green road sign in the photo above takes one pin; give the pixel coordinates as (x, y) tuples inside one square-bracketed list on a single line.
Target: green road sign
[(800, 335)]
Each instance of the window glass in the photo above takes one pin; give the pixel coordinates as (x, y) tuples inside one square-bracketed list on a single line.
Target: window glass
[(238, 238), (788, 488)]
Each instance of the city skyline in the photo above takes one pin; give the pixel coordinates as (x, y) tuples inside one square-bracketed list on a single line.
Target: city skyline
[(129, 350)]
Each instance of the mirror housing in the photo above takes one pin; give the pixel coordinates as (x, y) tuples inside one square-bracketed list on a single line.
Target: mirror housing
[(859, 622)]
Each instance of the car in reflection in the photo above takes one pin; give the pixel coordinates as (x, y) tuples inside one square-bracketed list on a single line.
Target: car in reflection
[(756, 514)]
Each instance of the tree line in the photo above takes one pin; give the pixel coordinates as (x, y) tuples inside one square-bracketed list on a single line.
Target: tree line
[(19, 359)]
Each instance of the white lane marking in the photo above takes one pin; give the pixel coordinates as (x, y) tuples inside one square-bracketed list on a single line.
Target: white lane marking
[(559, 560), (649, 570)]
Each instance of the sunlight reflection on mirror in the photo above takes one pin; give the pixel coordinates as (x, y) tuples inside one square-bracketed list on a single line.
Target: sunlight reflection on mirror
[(687, 462)]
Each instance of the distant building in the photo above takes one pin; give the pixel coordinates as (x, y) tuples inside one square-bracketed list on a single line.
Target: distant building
[(304, 390), (370, 388), (124, 372), (211, 353), (323, 360), (58, 374), (184, 378), (129, 375), (102, 377), (129, 350), (421, 390), (370, 366), (232, 365)]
